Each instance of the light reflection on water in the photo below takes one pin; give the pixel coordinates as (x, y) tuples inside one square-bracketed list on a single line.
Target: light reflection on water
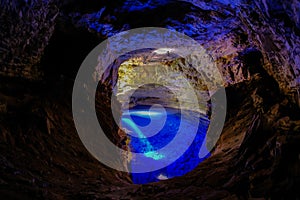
[(140, 143)]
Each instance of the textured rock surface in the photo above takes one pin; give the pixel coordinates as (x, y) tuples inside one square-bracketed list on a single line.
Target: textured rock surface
[(256, 46), (172, 73), (26, 27), (278, 38)]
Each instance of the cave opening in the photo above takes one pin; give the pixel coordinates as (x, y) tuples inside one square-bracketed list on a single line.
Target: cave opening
[(152, 114)]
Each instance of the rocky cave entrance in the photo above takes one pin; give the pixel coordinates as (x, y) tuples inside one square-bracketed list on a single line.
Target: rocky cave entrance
[(146, 84)]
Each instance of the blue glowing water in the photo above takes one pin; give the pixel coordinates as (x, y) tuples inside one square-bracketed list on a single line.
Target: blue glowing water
[(138, 117)]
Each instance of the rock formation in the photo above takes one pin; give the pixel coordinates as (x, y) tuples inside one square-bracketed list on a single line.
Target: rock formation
[(255, 44)]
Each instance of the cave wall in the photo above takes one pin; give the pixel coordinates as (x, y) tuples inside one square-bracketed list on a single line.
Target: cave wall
[(26, 28), (273, 26)]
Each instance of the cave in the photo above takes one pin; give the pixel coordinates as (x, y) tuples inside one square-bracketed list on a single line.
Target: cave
[(222, 122)]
